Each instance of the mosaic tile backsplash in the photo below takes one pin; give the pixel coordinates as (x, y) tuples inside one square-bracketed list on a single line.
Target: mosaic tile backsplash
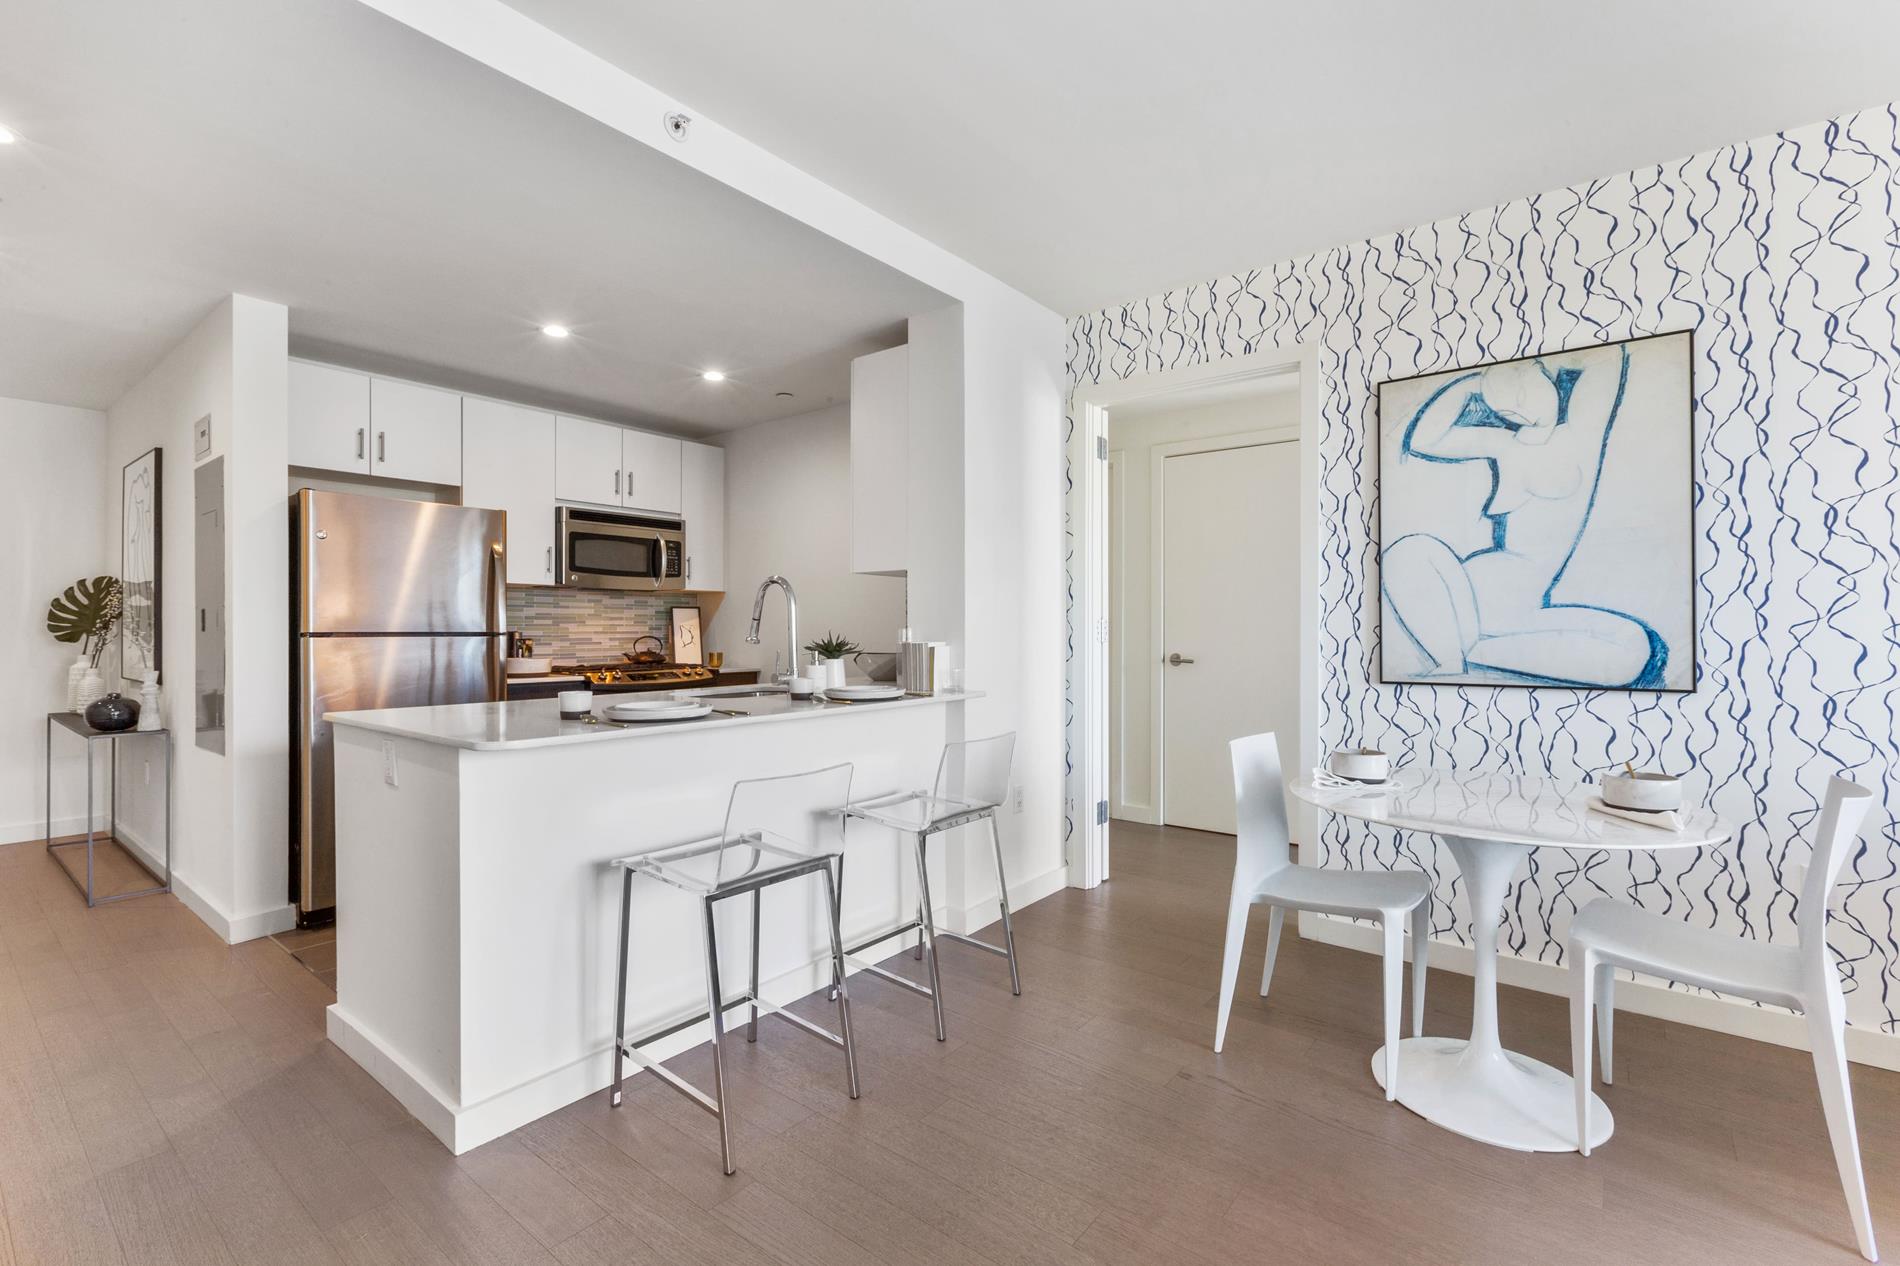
[(572, 625)]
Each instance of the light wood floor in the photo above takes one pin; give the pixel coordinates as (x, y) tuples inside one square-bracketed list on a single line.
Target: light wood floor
[(165, 1098)]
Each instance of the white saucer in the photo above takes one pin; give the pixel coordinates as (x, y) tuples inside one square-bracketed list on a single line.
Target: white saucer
[(656, 710), (865, 694)]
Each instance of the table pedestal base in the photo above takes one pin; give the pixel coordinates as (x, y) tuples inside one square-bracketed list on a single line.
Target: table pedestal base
[(1496, 1097)]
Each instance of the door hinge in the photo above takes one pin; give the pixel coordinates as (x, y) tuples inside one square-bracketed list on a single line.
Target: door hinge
[(1101, 447), (1101, 813)]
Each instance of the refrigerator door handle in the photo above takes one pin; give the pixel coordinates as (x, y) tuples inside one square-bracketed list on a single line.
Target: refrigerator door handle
[(497, 620)]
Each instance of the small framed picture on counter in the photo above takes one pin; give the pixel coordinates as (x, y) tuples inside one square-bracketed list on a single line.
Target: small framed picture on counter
[(687, 647)]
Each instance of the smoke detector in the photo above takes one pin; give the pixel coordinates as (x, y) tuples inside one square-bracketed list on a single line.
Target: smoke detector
[(676, 125)]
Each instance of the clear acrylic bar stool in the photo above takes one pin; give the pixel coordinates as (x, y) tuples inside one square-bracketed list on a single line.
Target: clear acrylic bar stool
[(972, 782), (777, 829)]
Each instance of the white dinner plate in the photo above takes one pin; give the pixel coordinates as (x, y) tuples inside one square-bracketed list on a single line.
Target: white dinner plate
[(865, 694), (656, 710)]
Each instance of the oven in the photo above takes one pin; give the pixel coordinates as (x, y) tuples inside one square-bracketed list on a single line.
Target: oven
[(599, 549)]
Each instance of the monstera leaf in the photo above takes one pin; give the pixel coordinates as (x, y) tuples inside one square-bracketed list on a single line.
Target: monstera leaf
[(86, 610)]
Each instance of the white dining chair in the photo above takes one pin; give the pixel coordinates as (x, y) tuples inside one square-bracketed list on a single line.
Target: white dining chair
[(1609, 934), (1266, 874)]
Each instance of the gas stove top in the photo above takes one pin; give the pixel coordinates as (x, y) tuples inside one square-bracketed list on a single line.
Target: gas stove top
[(622, 673)]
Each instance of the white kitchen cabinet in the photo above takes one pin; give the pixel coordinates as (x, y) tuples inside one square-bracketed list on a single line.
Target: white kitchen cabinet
[(880, 461), (508, 464), (703, 508), (416, 432), (587, 461), (652, 464), (329, 418)]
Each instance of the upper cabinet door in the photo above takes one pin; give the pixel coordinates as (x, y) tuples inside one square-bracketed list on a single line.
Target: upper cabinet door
[(880, 461), (508, 464), (587, 461), (653, 472), (329, 418), (417, 432), (703, 507)]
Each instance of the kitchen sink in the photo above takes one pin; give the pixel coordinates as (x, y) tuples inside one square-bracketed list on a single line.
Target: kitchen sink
[(733, 692)]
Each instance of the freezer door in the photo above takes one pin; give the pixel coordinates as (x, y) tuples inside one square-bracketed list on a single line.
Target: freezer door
[(379, 565), (344, 674)]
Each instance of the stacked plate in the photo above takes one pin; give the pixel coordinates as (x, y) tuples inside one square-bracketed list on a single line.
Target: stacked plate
[(877, 692), (657, 710)]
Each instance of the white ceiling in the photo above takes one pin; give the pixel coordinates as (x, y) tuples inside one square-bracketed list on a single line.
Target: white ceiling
[(415, 211), (1090, 153)]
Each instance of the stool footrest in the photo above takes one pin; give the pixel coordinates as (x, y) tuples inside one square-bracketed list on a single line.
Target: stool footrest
[(891, 976), (915, 925), (997, 950), (633, 1052)]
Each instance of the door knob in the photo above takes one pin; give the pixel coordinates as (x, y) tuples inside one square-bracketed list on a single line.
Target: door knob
[(1178, 659)]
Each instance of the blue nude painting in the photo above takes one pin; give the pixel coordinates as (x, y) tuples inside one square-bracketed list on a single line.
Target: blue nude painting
[(1536, 521)]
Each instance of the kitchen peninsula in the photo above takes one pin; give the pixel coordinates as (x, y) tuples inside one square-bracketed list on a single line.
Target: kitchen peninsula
[(477, 916)]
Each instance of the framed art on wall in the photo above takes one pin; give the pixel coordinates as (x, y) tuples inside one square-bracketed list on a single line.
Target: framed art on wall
[(687, 647), (1536, 521), (141, 560)]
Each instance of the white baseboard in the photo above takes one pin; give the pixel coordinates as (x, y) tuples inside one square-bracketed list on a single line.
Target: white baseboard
[(35, 831), (1022, 894), (462, 1127), (1640, 995), (233, 929), (1122, 811)]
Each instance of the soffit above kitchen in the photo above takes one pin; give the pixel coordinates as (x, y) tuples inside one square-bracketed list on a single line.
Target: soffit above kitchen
[(417, 212), (1089, 154)]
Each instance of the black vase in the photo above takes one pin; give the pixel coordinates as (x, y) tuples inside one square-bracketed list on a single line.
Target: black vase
[(112, 713)]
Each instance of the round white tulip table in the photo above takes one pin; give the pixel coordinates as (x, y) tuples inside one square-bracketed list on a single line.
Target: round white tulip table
[(1474, 1086)]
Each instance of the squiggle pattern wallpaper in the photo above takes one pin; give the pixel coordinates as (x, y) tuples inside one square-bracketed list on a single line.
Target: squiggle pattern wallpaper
[(1783, 255)]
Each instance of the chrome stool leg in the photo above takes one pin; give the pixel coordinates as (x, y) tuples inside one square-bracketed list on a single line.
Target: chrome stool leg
[(839, 986), (929, 932), (752, 1024), (716, 1002), (620, 991), (1002, 897)]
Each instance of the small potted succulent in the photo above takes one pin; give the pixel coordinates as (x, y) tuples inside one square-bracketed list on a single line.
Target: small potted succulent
[(831, 650), (86, 613)]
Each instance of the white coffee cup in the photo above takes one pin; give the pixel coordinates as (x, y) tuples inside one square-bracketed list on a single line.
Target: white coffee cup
[(1361, 764), (576, 703)]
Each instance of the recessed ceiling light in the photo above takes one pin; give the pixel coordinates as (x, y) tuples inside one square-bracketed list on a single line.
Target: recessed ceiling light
[(6, 137), (555, 331), (714, 375)]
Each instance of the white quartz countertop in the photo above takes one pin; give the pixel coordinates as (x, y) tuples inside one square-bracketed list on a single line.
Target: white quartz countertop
[(495, 727)]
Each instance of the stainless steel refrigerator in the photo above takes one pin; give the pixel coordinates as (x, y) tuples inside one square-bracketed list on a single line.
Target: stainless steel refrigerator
[(397, 604)]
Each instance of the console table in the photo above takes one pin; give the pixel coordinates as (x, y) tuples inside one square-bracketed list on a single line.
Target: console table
[(74, 723)]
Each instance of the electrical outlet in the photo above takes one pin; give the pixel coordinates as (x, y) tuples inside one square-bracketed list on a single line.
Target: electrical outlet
[(1016, 799), (389, 762)]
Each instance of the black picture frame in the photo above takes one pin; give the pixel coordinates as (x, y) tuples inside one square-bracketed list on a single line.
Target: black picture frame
[(142, 517), (1376, 439)]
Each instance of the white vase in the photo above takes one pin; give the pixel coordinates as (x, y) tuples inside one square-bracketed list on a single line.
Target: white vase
[(92, 686), (75, 675), (834, 673), (149, 717)]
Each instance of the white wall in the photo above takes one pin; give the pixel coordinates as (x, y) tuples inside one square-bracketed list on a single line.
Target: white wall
[(788, 511), (230, 842), (1132, 655), (52, 485)]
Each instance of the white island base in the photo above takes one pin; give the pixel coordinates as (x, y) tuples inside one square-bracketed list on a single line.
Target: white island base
[(477, 920)]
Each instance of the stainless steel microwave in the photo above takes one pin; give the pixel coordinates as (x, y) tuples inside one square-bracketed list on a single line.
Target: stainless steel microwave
[(599, 549)]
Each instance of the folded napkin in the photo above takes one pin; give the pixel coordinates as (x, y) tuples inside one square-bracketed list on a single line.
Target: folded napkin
[(1664, 820), (1323, 777)]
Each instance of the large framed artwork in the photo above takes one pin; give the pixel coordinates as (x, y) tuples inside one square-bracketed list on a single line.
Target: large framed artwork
[(140, 564), (1536, 522)]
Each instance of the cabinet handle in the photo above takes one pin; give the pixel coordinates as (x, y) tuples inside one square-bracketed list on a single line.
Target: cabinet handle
[(382, 446), (616, 483), (689, 567), (360, 433), (550, 560)]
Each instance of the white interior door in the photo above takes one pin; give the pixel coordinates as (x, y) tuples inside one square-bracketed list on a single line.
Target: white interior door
[(1230, 600)]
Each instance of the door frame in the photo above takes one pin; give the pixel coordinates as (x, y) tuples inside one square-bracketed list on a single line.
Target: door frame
[(1089, 407), (1158, 589)]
